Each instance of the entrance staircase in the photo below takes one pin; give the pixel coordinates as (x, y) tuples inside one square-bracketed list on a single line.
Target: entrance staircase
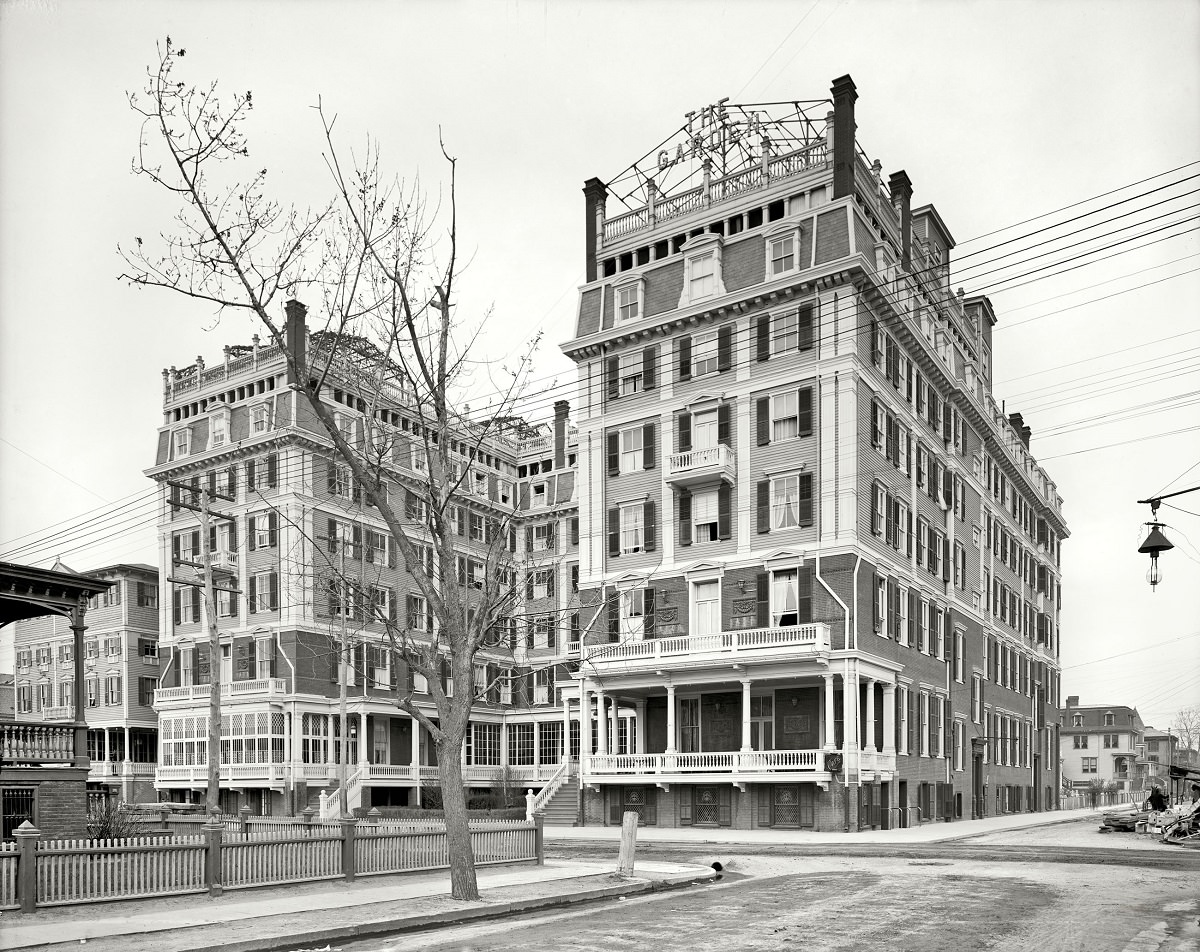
[(562, 809)]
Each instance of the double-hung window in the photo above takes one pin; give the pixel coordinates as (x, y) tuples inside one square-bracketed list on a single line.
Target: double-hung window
[(702, 277), (785, 333), (628, 303), (783, 254), (633, 614), (785, 416), (706, 607), (217, 429), (183, 439), (704, 516), (260, 418), (785, 502), (631, 449), (704, 430), (633, 530), (631, 365), (704, 353), (786, 609)]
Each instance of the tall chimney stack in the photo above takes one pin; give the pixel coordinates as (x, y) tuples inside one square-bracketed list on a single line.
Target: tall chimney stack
[(844, 95), (900, 187), (561, 409), (594, 194), (294, 339)]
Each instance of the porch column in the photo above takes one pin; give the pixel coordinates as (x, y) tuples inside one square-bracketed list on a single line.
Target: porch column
[(79, 689), (107, 745), (670, 719), (745, 715), (601, 724), (849, 712), (614, 718), (415, 746), (566, 727), (363, 740), (504, 744), (870, 717), (639, 727), (585, 721), (128, 752), (830, 715), (537, 747), (889, 718)]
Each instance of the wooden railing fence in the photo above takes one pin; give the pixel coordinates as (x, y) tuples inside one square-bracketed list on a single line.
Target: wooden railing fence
[(35, 873)]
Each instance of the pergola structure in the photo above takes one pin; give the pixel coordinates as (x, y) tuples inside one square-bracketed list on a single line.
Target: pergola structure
[(36, 755)]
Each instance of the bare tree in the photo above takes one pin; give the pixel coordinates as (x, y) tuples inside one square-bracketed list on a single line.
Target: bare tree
[(1187, 727), (383, 264)]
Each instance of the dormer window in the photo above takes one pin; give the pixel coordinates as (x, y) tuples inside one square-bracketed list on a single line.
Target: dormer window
[(702, 278), (260, 419), (1109, 719), (182, 439), (218, 428), (783, 254), (629, 302)]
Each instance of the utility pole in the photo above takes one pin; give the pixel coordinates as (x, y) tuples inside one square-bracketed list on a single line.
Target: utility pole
[(204, 568)]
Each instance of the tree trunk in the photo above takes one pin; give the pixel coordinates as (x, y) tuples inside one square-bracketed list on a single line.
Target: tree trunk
[(463, 884)]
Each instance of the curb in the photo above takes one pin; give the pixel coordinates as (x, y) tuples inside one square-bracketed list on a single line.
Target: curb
[(395, 925)]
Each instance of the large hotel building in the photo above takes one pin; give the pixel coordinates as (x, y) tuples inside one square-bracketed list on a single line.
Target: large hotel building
[(795, 567)]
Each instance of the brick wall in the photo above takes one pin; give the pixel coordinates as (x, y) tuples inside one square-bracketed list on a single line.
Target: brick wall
[(833, 236), (589, 312), (743, 263), (663, 288)]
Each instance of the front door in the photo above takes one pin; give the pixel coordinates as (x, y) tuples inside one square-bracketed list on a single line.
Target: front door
[(978, 806)]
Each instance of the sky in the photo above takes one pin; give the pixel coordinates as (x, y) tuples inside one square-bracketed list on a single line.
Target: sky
[(1000, 112)]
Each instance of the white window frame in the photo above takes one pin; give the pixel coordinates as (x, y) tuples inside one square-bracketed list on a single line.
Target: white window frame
[(696, 588), (777, 255), (632, 527), (632, 446), (537, 496), (902, 692), (781, 403), (630, 366), (881, 606), (705, 353), (904, 449), (218, 427), (181, 442), (881, 418), (260, 419), (706, 514), (902, 537), (705, 430), (633, 614), (879, 494), (628, 301), (702, 278), (905, 634), (960, 647), (778, 593), (785, 332), (779, 509)]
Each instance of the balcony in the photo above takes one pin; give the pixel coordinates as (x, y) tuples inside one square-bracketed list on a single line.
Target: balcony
[(323, 775), (794, 642), (723, 764), (702, 466), (263, 687)]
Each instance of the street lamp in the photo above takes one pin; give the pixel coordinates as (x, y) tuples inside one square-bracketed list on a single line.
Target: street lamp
[(1156, 542)]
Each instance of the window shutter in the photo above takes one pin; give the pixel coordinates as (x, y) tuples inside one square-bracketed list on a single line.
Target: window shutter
[(212, 482), (253, 603), (724, 348), (614, 377), (876, 436), (684, 350), (763, 505), (947, 423), (212, 538), (272, 529), (178, 605), (614, 532), (573, 524), (331, 542), (195, 543), (763, 420), (233, 537), (762, 337), (614, 617), (175, 548), (550, 583), (251, 539), (946, 559), (649, 450), (356, 541), (250, 476), (650, 367), (724, 515), (272, 470), (614, 452), (805, 405), (875, 606), (805, 505), (762, 594), (529, 538), (723, 425), (648, 617), (685, 517), (195, 605), (274, 579), (685, 433), (529, 586), (807, 325), (650, 525), (893, 591)]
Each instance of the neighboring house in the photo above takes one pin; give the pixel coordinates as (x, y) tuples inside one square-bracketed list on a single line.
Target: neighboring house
[(7, 695), (1105, 742), (1163, 752), (121, 672), (238, 428), (827, 561)]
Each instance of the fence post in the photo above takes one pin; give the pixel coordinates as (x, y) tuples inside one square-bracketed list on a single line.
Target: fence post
[(27, 836), (539, 839), (373, 814), (348, 864), (625, 857), (528, 805), (244, 815), (212, 831), (307, 816)]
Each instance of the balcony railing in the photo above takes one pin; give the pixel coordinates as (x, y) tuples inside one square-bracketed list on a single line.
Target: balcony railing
[(702, 464), (32, 743), (262, 686), (320, 775), (734, 761), (765, 641)]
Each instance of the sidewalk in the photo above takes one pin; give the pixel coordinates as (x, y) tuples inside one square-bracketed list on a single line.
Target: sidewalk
[(314, 914), (930, 832)]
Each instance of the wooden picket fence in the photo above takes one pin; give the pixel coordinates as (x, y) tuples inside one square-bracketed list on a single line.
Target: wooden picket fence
[(35, 873)]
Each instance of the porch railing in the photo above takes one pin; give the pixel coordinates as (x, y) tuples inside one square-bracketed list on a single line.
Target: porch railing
[(734, 761), (25, 742), (814, 636), (267, 686), (536, 802)]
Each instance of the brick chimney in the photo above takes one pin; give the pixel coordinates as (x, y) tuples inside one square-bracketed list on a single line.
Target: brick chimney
[(844, 95), (561, 409), (594, 194), (294, 338), (1018, 424), (900, 187)]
